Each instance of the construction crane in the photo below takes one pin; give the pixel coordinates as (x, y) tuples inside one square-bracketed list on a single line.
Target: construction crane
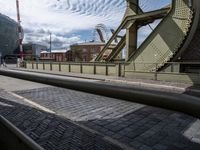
[(20, 32)]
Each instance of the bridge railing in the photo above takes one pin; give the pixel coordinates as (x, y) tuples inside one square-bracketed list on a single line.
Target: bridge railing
[(108, 69), (173, 71)]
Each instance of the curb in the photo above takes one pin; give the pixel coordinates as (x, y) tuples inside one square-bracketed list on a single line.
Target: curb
[(156, 86)]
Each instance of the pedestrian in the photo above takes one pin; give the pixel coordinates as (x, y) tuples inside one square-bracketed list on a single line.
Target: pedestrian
[(4, 63), (1, 62)]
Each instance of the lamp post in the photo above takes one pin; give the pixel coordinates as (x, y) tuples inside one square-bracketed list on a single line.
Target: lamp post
[(50, 41)]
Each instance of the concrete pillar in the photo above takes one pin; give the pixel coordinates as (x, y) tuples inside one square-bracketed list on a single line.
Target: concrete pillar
[(131, 40)]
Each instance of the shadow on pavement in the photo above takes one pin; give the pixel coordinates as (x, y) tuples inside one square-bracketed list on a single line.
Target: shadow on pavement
[(51, 131), (150, 129), (193, 91)]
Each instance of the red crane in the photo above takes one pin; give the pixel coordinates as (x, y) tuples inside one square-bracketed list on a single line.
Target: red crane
[(19, 30)]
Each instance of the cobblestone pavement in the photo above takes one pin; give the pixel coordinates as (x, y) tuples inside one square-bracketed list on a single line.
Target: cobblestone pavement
[(51, 131), (137, 126)]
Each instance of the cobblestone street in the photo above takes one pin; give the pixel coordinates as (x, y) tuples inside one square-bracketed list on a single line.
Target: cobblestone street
[(58, 118), (51, 131), (135, 125)]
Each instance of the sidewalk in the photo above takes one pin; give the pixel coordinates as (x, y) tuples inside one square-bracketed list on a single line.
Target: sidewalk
[(176, 87)]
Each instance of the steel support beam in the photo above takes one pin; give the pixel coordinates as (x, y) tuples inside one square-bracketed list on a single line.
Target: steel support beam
[(131, 31), (117, 50), (129, 21)]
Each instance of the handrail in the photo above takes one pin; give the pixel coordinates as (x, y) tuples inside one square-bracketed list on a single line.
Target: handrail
[(12, 138)]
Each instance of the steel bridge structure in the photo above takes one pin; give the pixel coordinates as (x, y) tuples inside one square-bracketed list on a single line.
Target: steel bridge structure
[(175, 39)]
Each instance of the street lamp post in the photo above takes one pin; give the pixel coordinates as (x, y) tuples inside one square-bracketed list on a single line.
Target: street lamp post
[(50, 42)]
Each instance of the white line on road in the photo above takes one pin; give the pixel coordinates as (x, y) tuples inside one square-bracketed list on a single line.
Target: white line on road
[(33, 103)]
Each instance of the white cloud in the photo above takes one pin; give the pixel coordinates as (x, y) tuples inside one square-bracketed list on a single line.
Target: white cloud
[(63, 17)]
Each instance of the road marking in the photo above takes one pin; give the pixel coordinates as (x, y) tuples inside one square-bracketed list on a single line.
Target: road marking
[(33, 103)]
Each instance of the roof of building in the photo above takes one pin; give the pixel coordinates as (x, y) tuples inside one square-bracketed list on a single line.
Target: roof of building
[(89, 43), (10, 19), (56, 51)]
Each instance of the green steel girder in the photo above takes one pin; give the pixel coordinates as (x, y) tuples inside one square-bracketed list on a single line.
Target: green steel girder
[(115, 52), (128, 22), (166, 40), (176, 38)]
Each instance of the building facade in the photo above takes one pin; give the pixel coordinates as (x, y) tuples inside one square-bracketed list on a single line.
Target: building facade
[(57, 56), (32, 51), (8, 36), (86, 52)]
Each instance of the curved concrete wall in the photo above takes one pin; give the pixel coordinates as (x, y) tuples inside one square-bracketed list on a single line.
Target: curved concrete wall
[(8, 35)]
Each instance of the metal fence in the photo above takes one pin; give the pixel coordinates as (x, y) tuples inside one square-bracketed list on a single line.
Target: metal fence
[(173, 71), (108, 69)]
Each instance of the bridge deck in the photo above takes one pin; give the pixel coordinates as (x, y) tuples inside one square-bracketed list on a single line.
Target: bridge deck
[(58, 118)]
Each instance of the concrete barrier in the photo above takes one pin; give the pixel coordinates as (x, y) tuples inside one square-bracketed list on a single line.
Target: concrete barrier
[(174, 101)]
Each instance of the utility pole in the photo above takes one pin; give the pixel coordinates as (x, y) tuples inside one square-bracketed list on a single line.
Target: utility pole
[(19, 31), (50, 42)]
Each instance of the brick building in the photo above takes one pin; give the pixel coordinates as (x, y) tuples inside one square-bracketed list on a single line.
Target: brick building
[(86, 52), (83, 52), (56, 55)]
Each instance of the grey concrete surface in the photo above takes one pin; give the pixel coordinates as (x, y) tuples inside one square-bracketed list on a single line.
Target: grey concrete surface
[(13, 84)]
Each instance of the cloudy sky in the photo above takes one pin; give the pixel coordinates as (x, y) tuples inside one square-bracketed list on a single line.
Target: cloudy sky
[(69, 21)]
